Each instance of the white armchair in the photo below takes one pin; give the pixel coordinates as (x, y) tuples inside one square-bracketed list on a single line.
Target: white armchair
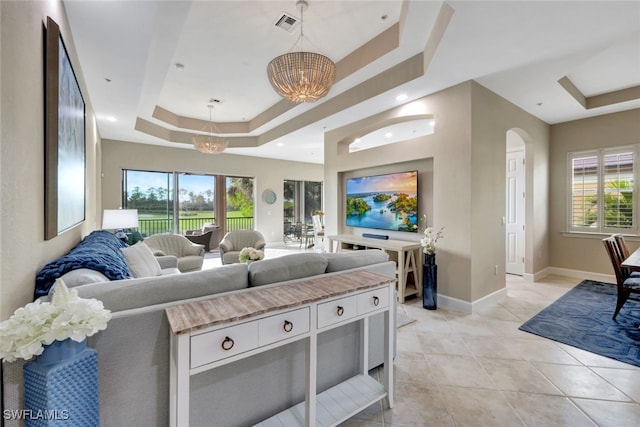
[(190, 255), (234, 241)]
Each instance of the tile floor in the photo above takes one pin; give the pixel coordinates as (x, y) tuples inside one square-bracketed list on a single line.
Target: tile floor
[(454, 369)]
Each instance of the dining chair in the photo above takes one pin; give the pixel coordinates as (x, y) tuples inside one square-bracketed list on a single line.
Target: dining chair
[(318, 231), (626, 284), (624, 250)]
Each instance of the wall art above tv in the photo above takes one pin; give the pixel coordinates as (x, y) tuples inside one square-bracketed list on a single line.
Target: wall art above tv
[(383, 202)]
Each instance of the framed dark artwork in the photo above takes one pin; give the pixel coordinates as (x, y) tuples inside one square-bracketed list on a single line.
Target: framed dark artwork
[(65, 139)]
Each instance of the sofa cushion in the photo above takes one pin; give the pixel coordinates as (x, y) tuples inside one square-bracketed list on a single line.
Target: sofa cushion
[(82, 276), (147, 291), (345, 260), (288, 267), (141, 261)]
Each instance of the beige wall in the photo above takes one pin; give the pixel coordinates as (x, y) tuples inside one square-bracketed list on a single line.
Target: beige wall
[(463, 163), (492, 118), (268, 173), (578, 254), (23, 250)]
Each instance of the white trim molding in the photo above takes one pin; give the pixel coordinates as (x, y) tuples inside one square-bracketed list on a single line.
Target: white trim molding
[(466, 307)]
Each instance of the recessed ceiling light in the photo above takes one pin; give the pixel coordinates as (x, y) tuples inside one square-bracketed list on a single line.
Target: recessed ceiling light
[(432, 123), (280, 144), (388, 135), (179, 66), (111, 119), (402, 97), (357, 140)]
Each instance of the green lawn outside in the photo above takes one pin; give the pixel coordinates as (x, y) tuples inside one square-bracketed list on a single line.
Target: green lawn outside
[(151, 223)]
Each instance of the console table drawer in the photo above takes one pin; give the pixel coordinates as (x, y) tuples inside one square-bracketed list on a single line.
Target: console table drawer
[(282, 326), (373, 300), (215, 345), (336, 311)]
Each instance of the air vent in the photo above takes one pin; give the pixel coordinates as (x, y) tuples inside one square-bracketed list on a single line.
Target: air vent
[(286, 22)]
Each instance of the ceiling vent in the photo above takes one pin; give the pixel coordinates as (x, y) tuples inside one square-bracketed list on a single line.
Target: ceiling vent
[(287, 22)]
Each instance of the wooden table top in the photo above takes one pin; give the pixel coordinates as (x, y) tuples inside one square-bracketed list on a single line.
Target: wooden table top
[(402, 245), (633, 262), (228, 308)]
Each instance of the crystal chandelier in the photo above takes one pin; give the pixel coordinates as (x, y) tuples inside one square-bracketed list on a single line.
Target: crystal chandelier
[(209, 143), (301, 76)]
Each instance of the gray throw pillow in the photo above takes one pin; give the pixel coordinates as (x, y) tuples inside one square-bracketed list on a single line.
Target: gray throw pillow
[(141, 261)]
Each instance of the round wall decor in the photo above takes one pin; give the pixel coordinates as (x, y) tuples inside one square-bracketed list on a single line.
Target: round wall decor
[(269, 196)]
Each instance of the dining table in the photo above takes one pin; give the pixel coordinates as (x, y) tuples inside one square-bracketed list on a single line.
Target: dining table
[(632, 262)]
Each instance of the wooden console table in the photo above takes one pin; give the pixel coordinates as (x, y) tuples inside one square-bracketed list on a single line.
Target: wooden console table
[(215, 332), (407, 255)]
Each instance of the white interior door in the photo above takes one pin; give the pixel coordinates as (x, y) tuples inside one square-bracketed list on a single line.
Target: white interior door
[(515, 212)]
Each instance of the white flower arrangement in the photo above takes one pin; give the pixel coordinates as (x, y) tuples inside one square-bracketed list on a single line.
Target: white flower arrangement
[(429, 240), (251, 254), (37, 324)]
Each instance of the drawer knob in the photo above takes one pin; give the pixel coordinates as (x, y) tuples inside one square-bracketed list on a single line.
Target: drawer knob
[(376, 301), (288, 326), (227, 344), (340, 311)]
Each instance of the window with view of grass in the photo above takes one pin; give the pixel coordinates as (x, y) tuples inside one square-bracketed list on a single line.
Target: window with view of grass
[(174, 202), (603, 191)]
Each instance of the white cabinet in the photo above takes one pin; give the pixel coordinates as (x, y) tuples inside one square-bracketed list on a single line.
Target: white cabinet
[(202, 340), (219, 344), (282, 326), (336, 311)]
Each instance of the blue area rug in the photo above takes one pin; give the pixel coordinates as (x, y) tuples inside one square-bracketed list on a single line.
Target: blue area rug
[(582, 318)]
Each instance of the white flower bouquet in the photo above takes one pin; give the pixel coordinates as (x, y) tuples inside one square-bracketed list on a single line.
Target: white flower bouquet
[(251, 254), (429, 240), (37, 324)]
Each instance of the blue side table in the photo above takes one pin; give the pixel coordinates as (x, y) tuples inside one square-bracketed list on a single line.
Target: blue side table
[(61, 386)]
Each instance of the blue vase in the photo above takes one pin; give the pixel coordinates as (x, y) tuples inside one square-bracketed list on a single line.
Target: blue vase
[(61, 386), (430, 282)]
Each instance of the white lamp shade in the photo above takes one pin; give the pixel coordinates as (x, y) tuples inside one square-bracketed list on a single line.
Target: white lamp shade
[(115, 219)]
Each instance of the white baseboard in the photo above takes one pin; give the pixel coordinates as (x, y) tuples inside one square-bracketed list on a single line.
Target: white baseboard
[(471, 307), (579, 274)]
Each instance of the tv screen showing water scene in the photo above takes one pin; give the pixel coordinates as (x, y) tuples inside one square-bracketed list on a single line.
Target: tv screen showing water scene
[(384, 202)]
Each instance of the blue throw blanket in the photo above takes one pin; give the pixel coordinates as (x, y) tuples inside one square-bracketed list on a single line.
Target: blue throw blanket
[(99, 251)]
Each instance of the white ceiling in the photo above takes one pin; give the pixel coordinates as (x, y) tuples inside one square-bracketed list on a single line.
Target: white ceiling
[(518, 49)]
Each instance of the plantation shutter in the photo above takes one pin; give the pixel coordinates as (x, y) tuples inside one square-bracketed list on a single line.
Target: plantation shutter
[(618, 184), (584, 191)]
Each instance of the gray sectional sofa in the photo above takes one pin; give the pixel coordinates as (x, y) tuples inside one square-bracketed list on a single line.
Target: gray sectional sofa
[(133, 352)]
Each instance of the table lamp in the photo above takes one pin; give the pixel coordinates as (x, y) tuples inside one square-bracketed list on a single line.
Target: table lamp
[(118, 220)]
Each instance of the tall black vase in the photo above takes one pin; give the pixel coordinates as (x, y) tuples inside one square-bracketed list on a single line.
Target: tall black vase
[(430, 282)]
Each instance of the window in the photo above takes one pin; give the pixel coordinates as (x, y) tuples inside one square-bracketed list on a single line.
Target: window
[(603, 190), (239, 203), (152, 194), (173, 202), (301, 200)]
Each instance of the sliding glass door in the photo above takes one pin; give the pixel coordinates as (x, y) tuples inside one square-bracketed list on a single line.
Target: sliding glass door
[(152, 194), (240, 205), (196, 201), (301, 200), (174, 202)]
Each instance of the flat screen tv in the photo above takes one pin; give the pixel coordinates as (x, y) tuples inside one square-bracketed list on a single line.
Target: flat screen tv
[(384, 202)]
